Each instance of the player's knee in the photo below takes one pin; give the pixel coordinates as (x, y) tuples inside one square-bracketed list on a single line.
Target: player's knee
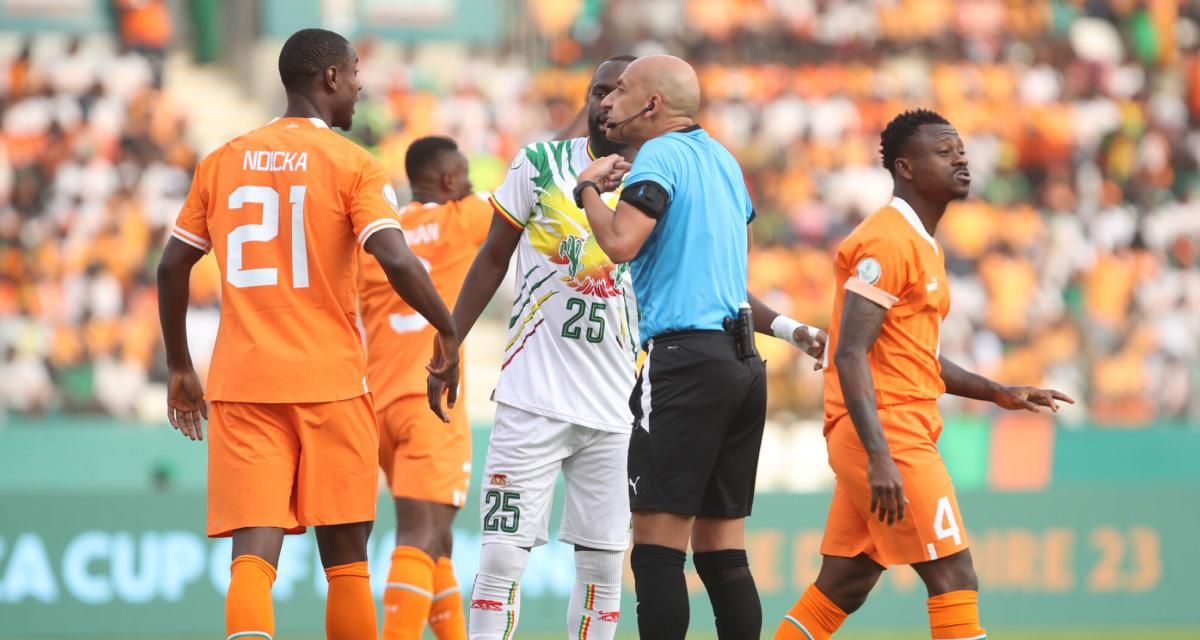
[(343, 543), (418, 536), (849, 596), (848, 584), (954, 573), (595, 566), (443, 544), (502, 561), (961, 577)]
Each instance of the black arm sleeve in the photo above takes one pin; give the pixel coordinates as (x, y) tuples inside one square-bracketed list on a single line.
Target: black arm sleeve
[(649, 197)]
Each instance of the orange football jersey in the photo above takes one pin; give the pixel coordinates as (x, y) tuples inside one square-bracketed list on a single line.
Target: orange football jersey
[(285, 208), (892, 260), (446, 238)]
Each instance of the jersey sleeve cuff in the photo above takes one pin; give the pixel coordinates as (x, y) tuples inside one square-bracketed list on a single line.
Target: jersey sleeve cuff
[(189, 238), (377, 225), (504, 214), (871, 292)]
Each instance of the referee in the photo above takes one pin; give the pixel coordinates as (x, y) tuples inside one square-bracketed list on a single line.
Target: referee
[(700, 401)]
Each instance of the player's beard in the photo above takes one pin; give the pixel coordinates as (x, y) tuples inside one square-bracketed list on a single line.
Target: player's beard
[(598, 137)]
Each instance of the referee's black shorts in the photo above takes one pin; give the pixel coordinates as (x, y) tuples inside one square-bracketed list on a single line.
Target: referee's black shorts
[(698, 416)]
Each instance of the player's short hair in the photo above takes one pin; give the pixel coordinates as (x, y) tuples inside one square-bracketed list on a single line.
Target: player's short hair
[(897, 133), (424, 152), (308, 53), (624, 57)]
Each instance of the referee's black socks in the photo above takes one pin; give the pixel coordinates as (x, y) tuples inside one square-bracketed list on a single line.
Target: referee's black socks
[(731, 590), (662, 598)]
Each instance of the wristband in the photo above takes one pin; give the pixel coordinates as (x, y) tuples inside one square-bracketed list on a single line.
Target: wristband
[(784, 328), (578, 192)]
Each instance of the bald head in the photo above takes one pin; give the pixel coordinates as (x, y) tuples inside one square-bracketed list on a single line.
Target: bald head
[(669, 77), (655, 95)]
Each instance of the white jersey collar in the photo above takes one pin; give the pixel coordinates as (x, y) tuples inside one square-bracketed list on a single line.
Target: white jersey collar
[(316, 122), (910, 214)]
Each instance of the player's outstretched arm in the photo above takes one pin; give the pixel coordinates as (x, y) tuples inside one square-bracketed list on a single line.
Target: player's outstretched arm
[(960, 382), (861, 322), (409, 279), (770, 322), (483, 278), (485, 275), (185, 394)]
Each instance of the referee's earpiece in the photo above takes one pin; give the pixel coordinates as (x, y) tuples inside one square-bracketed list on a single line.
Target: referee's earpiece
[(649, 107)]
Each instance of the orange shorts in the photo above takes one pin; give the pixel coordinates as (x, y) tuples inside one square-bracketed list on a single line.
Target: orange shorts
[(932, 527), (291, 465), (423, 457)]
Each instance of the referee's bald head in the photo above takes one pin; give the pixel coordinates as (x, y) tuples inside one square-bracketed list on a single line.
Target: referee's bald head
[(670, 78), (655, 95)]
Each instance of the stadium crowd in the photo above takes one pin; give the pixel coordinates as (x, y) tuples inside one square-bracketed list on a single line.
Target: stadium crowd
[(1076, 264), (93, 166)]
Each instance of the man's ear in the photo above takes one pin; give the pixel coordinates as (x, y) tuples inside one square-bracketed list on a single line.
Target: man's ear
[(903, 168), (331, 78)]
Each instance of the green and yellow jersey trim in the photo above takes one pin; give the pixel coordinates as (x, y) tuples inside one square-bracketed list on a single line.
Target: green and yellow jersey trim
[(504, 214)]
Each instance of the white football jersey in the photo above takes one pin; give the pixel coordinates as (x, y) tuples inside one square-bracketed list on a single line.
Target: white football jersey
[(572, 330)]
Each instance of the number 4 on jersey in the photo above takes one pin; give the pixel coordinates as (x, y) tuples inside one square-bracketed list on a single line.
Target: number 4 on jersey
[(265, 232)]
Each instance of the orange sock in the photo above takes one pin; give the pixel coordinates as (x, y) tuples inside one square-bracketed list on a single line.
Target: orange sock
[(813, 617), (955, 616), (248, 609), (409, 594), (349, 607), (446, 615)]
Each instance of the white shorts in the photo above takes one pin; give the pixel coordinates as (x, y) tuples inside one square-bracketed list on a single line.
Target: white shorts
[(525, 453)]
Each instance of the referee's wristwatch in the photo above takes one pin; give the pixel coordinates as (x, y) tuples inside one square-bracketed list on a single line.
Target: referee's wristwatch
[(578, 192)]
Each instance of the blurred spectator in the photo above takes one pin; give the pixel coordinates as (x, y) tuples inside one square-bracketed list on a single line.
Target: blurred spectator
[(145, 28), (92, 169)]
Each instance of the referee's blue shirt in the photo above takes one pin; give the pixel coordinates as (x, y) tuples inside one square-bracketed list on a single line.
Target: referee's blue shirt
[(691, 272)]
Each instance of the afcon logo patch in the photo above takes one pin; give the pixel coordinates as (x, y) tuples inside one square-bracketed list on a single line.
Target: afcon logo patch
[(499, 480), (868, 270)]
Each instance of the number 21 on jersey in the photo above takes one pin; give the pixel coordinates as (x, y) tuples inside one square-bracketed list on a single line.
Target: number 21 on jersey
[(266, 231)]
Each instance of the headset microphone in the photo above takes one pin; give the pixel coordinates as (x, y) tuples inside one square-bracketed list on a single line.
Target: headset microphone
[(630, 118)]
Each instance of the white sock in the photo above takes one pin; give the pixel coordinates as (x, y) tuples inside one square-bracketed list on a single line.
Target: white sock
[(595, 603), (496, 596)]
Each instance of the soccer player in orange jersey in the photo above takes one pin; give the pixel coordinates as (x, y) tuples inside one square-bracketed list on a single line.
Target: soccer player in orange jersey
[(428, 463), (893, 502), (292, 434)]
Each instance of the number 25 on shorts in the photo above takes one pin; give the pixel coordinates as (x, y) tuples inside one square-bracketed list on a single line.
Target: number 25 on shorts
[(509, 517)]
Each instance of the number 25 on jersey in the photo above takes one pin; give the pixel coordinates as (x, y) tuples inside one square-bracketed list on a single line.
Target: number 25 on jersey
[(266, 231)]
